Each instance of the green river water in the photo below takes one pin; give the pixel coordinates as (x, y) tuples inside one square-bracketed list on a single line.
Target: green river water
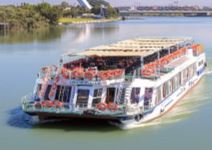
[(188, 126)]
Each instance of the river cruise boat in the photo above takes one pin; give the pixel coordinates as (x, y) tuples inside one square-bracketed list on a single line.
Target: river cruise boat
[(127, 83)]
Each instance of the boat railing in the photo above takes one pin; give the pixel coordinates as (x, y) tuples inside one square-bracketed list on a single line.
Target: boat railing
[(31, 106), (51, 74)]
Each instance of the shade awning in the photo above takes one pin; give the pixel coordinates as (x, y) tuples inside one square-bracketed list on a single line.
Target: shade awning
[(141, 47)]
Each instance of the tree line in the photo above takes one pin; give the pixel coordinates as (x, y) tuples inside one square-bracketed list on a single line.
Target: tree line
[(28, 16)]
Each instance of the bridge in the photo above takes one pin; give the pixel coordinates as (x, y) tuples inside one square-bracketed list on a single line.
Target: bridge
[(129, 13), (132, 11)]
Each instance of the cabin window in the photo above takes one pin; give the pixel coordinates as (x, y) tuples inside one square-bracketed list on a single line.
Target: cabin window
[(158, 96), (135, 95), (167, 89), (63, 93), (110, 96), (97, 97), (188, 73), (122, 97), (179, 79), (148, 98), (184, 76), (175, 83), (46, 96), (82, 98), (39, 86), (194, 69)]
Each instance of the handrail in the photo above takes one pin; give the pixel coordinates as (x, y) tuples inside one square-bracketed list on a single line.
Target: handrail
[(30, 106)]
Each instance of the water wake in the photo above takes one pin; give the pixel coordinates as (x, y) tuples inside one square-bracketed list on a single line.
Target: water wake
[(17, 118), (183, 110), (208, 72)]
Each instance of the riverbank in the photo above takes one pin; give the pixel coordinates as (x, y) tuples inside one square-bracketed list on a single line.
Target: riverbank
[(64, 21), (43, 15)]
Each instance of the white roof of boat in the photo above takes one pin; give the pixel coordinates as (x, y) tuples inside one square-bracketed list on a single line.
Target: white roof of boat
[(134, 47)]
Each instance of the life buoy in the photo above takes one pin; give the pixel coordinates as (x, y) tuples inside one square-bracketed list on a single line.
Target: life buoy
[(103, 75), (101, 106), (65, 73), (119, 72), (74, 74), (58, 104), (164, 61), (112, 107), (89, 75), (111, 73), (147, 72), (47, 103)]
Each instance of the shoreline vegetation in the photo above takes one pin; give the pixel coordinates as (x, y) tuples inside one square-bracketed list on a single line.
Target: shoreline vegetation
[(85, 20), (34, 17)]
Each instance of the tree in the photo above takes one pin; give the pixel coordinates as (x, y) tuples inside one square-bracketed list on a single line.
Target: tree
[(64, 4), (111, 12), (96, 10), (52, 13)]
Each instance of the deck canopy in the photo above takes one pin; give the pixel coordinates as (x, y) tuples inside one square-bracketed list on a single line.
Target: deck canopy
[(141, 47), (135, 47)]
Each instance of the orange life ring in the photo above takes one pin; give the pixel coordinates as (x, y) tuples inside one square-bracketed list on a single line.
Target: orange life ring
[(89, 75), (111, 73), (58, 104), (101, 106), (117, 72), (47, 103), (120, 71), (65, 73), (112, 107), (103, 75), (164, 61), (147, 72), (151, 65)]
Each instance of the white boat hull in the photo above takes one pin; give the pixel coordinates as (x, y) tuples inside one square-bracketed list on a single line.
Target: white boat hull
[(163, 107)]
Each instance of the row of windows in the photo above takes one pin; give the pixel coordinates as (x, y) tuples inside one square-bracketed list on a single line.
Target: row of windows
[(63, 94), (173, 84)]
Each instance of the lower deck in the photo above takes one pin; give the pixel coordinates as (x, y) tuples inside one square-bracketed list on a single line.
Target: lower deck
[(119, 118)]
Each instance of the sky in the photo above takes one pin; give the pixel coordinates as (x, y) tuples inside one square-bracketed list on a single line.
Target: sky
[(121, 2)]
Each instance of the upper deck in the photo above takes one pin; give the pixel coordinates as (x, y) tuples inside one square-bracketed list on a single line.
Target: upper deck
[(137, 58), (140, 57), (141, 47)]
